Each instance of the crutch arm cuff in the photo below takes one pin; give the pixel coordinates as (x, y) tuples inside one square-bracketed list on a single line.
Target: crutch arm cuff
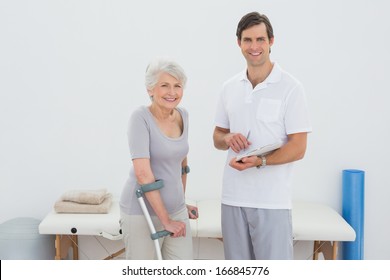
[(158, 184), (185, 170)]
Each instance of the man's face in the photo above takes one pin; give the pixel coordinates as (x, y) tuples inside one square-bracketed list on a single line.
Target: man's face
[(255, 45)]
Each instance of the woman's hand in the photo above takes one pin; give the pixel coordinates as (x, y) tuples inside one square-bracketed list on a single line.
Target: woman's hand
[(192, 211), (177, 228)]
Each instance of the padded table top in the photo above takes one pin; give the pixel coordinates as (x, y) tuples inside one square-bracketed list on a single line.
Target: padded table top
[(315, 221), (311, 221), (106, 225)]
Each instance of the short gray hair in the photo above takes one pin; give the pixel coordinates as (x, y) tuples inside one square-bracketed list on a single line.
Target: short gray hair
[(163, 65)]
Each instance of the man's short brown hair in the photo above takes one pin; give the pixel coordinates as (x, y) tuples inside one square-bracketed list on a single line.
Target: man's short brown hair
[(251, 19)]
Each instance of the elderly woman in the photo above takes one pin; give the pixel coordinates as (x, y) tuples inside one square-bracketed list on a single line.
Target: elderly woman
[(158, 140)]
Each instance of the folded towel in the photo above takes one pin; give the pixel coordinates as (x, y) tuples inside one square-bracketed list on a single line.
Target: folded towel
[(85, 196), (73, 207)]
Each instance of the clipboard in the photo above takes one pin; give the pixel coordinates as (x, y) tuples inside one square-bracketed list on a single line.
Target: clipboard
[(261, 151)]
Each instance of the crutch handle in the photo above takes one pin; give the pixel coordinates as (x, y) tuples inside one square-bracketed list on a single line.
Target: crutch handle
[(160, 234)]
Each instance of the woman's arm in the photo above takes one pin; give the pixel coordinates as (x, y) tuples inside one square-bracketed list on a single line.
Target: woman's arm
[(184, 175), (192, 210), (144, 175)]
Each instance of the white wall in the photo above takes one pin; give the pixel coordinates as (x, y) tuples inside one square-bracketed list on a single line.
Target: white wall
[(71, 72)]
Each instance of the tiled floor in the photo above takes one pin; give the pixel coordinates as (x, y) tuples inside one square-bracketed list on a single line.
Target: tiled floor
[(208, 249), (204, 249)]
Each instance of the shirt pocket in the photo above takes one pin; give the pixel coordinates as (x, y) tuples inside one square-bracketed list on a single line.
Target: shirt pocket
[(268, 110)]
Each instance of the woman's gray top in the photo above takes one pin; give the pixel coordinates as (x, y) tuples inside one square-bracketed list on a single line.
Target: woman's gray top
[(166, 154)]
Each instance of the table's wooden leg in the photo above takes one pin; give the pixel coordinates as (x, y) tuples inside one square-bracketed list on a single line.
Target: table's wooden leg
[(328, 249), (58, 247), (335, 249), (110, 257), (316, 249), (63, 243), (75, 246)]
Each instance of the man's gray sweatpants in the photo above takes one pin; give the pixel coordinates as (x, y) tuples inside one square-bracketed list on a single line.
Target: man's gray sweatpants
[(257, 234)]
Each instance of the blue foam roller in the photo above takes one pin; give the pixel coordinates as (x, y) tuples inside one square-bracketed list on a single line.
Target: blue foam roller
[(353, 212)]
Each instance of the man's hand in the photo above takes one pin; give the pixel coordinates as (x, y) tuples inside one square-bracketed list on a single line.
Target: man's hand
[(224, 139), (236, 141), (245, 163)]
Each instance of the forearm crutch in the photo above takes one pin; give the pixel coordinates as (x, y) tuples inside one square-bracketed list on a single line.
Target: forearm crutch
[(155, 235)]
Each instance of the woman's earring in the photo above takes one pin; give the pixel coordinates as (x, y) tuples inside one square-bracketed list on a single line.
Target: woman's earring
[(151, 97)]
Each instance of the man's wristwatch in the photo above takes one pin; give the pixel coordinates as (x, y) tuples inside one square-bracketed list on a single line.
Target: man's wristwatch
[(263, 161)]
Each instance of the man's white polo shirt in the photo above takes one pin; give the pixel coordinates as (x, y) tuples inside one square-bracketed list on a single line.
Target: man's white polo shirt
[(272, 110)]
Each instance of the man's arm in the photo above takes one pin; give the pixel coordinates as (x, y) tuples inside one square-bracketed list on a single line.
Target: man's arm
[(293, 150), (224, 139)]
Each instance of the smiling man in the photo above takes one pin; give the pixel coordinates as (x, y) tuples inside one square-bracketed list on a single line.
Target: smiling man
[(267, 105)]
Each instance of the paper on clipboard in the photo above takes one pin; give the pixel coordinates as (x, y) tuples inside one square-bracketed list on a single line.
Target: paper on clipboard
[(261, 151)]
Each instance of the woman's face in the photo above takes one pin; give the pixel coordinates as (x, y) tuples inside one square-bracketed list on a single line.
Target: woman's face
[(167, 93)]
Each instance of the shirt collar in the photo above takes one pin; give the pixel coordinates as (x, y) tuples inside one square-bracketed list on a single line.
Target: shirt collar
[(273, 77)]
